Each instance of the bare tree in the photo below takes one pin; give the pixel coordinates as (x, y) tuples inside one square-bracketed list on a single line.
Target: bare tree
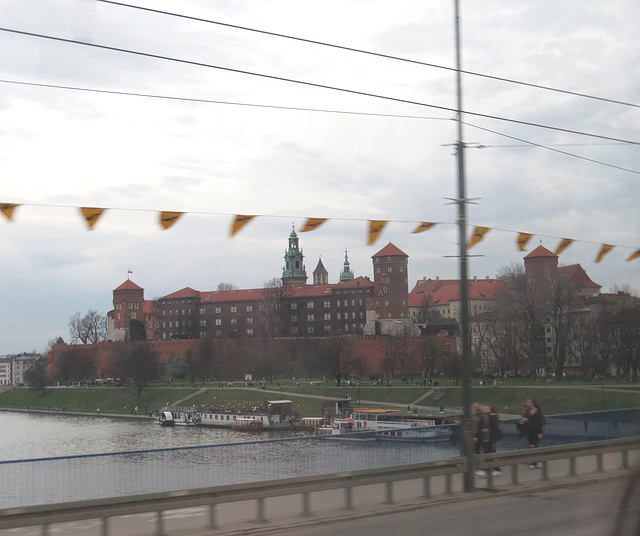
[(338, 358), (137, 361), (36, 375), (227, 286), (400, 350), (88, 329)]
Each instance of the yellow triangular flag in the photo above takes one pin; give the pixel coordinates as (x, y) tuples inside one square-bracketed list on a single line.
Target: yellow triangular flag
[(523, 240), (239, 223), (634, 255), (477, 236), (424, 226), (566, 242), (375, 228), (7, 209), (167, 219), (312, 224), (92, 215), (606, 248)]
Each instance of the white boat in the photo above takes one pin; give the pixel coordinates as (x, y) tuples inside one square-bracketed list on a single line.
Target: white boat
[(165, 419), (387, 424), (180, 417), (273, 415)]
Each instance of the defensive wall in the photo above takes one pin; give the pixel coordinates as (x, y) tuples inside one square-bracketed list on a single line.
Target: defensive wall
[(371, 349)]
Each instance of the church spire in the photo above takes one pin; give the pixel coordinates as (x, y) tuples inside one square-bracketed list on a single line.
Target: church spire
[(346, 274), (294, 272)]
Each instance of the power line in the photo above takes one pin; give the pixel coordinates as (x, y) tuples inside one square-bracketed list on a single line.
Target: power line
[(550, 148), (313, 84), (526, 143), (370, 53), (214, 101)]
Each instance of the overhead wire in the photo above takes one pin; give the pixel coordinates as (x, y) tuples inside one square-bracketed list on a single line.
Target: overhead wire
[(371, 53), (526, 143), (314, 84)]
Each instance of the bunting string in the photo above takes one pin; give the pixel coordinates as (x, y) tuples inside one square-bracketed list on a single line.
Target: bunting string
[(91, 216)]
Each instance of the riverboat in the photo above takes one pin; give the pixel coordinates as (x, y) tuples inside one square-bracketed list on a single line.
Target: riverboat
[(273, 414), (165, 419), (180, 416), (383, 424), (248, 424)]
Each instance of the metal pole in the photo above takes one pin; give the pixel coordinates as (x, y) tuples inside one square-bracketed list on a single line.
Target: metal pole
[(467, 424)]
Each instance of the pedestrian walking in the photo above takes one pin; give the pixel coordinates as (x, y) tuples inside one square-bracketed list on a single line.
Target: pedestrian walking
[(487, 434), (532, 426)]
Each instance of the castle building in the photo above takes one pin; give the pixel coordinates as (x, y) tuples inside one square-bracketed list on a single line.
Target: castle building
[(353, 306)]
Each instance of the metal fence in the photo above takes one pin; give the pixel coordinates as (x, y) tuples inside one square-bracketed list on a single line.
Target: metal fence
[(73, 478)]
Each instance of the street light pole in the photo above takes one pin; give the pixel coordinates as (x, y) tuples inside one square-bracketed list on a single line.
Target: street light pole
[(467, 424)]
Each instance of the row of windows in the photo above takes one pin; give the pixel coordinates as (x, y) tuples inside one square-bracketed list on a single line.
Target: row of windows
[(133, 305), (327, 316), (164, 312)]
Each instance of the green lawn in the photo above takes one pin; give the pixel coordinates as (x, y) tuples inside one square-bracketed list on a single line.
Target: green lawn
[(565, 398)]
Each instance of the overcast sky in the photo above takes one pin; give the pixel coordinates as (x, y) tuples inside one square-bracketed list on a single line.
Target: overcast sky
[(286, 151)]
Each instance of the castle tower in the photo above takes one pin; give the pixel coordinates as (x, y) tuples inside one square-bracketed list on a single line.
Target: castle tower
[(346, 274), (320, 274), (390, 283), (541, 273), (294, 272), (128, 304)]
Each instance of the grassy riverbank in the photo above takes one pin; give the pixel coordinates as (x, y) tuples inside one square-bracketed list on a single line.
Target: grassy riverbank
[(308, 398)]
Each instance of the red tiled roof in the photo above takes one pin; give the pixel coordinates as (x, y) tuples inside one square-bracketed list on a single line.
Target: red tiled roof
[(150, 307), (128, 285), (540, 251), (442, 292), (390, 250), (577, 276), (327, 290), (220, 296), (186, 292)]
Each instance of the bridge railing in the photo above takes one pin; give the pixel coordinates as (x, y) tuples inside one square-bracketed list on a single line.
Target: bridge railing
[(348, 481)]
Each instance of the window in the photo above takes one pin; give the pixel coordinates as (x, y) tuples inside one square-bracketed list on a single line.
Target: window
[(218, 310), (203, 323), (250, 320), (310, 317), (309, 305), (183, 312), (203, 310), (164, 325), (203, 334), (218, 333), (170, 312), (294, 305), (294, 318), (164, 312), (249, 308), (150, 324), (327, 316), (353, 302), (353, 315), (311, 329), (339, 316), (133, 315), (327, 304), (389, 269), (170, 324), (249, 331), (234, 321), (234, 309), (384, 290), (360, 301), (218, 321), (378, 270)]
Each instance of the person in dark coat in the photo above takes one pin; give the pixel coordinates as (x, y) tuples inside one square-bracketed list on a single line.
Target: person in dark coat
[(487, 434), (533, 425)]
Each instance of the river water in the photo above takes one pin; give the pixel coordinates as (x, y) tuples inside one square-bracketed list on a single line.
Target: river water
[(48, 458)]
